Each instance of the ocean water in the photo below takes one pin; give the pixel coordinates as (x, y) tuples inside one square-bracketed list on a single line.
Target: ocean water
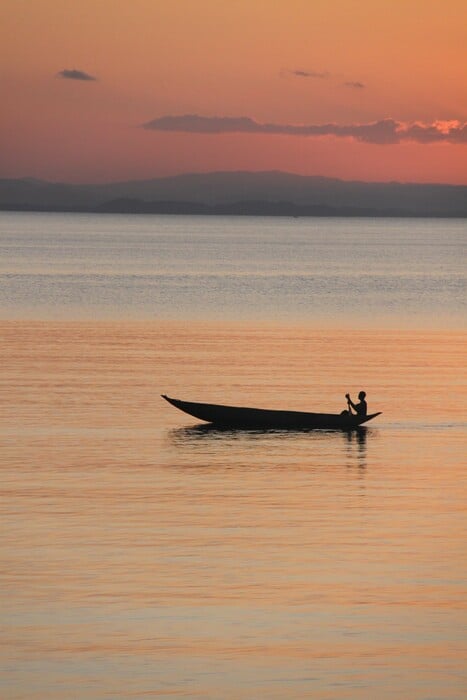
[(327, 272), (143, 556)]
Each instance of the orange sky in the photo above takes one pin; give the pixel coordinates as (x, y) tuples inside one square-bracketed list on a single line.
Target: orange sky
[(279, 62)]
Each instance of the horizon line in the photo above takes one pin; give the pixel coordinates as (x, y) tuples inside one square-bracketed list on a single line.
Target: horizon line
[(201, 173)]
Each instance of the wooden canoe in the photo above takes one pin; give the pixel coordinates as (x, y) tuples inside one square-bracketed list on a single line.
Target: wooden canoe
[(242, 417)]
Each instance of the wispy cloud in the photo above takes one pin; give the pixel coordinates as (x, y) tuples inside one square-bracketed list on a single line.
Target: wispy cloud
[(356, 84), (385, 131), (310, 74), (74, 74)]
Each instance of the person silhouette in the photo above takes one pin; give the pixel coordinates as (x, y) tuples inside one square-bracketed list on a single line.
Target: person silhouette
[(359, 408)]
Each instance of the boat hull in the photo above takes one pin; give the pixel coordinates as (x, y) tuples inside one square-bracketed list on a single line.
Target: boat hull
[(242, 417)]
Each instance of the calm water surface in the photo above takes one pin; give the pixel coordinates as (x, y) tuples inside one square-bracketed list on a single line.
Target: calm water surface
[(143, 556), (331, 272)]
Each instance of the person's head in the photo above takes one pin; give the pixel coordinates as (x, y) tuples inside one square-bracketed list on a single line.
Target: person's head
[(362, 395)]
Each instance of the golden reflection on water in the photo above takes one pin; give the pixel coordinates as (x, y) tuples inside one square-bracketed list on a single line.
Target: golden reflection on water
[(145, 556)]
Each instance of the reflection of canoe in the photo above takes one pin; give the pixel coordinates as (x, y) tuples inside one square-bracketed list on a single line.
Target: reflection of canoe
[(240, 417)]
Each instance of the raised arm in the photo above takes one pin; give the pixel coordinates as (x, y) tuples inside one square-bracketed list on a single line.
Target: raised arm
[(350, 402)]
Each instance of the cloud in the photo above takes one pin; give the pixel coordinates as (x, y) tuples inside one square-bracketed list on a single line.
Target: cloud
[(310, 74), (74, 74), (354, 84), (385, 131)]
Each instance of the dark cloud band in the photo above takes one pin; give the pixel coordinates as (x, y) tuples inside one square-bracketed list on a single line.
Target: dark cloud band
[(310, 74), (385, 131), (356, 84), (75, 75)]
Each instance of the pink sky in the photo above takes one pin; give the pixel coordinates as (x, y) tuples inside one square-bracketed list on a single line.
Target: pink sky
[(308, 80)]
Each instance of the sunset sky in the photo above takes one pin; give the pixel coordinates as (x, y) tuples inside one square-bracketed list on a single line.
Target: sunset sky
[(101, 90)]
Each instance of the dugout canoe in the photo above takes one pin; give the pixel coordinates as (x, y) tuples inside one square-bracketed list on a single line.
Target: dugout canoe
[(243, 417)]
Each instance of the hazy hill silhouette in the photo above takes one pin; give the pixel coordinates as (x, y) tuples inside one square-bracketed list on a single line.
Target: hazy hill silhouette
[(240, 192)]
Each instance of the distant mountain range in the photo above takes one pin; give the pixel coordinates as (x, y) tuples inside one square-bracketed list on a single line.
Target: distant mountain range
[(239, 193)]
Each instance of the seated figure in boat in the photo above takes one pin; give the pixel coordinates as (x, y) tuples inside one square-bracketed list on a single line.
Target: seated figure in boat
[(359, 408)]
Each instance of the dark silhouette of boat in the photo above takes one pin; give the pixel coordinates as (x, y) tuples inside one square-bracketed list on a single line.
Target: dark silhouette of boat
[(242, 417)]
